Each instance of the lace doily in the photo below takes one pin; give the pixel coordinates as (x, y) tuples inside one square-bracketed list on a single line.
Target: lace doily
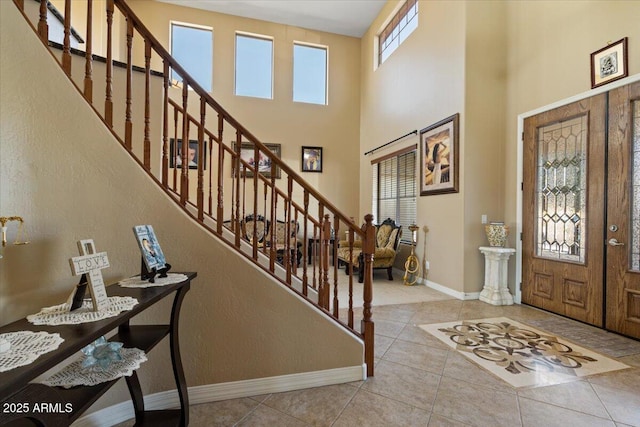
[(27, 346), (60, 314), (136, 282), (74, 374)]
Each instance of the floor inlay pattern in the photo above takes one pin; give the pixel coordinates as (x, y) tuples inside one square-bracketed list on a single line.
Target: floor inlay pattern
[(521, 354)]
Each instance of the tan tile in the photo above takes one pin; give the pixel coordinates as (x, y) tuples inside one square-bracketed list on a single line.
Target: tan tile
[(477, 310), (381, 344), (417, 356), (264, 416), (409, 385), (371, 410), (388, 328), (315, 406), (620, 394), (413, 333), (439, 421), (461, 368), (397, 313), (535, 414), (223, 413), (633, 360), (578, 396), (475, 405)]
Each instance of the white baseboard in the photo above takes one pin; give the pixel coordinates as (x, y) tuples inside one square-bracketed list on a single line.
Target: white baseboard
[(233, 390), (448, 291)]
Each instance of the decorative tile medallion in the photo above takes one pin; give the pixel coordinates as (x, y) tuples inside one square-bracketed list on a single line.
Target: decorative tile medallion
[(521, 354)]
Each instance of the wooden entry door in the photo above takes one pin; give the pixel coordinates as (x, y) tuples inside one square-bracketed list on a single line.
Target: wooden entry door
[(623, 212), (563, 210)]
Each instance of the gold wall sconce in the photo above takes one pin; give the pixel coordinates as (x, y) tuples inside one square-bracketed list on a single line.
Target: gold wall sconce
[(20, 236)]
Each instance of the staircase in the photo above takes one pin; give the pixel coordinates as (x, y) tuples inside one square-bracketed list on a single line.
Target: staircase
[(223, 187)]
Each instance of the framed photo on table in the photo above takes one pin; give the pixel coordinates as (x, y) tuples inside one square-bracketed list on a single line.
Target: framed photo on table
[(609, 63), (439, 148), (311, 159)]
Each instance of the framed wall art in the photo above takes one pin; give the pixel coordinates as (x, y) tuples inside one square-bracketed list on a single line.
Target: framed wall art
[(609, 63), (175, 158), (439, 148), (248, 154), (311, 159)]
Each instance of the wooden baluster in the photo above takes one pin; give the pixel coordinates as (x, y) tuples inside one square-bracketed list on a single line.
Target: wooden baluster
[(320, 253), (88, 65), (108, 103), (43, 27), (20, 4), (128, 125), (287, 214), (184, 174), (326, 236), (201, 152), (237, 187), (305, 243), (165, 124), (314, 254), (210, 176), (264, 214), (351, 238), (147, 104), (334, 255), (294, 249), (367, 326), (274, 205), (220, 212), (174, 153), (256, 162), (66, 43)]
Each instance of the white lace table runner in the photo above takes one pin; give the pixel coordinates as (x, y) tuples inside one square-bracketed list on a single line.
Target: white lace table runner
[(60, 314), (75, 375), (27, 346), (136, 282)]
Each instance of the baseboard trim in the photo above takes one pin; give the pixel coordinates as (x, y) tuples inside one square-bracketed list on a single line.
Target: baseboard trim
[(232, 390), (448, 291)]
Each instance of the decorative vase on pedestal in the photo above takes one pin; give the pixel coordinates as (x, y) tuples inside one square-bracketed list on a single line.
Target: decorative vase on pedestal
[(497, 234)]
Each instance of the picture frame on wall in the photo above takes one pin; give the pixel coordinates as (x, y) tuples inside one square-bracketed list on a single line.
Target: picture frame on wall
[(247, 154), (439, 147), (311, 159), (609, 63), (175, 158)]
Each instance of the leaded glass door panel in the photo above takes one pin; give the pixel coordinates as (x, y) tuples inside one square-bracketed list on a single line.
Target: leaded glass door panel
[(563, 217), (623, 212)]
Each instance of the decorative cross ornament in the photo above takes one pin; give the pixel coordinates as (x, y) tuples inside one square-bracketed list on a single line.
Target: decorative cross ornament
[(91, 264)]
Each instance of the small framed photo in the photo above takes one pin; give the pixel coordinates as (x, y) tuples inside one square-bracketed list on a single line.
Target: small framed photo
[(439, 148), (175, 157), (609, 63), (311, 159), (248, 157)]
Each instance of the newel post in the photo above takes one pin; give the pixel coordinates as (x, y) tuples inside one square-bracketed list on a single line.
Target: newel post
[(367, 327)]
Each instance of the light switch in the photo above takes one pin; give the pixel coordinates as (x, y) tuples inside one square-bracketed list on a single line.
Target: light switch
[(484, 219)]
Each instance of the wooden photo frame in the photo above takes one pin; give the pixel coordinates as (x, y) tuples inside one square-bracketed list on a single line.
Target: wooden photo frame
[(439, 148), (247, 154), (609, 63), (311, 159), (175, 158)]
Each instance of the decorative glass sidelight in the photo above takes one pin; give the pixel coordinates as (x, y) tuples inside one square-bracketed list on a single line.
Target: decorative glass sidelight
[(635, 190), (562, 190)]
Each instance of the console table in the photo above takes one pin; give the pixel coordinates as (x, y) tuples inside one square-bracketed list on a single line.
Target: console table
[(19, 397)]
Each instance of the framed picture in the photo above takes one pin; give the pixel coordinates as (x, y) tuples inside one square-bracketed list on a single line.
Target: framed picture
[(311, 159), (248, 154), (609, 63), (175, 157), (439, 157), (149, 247)]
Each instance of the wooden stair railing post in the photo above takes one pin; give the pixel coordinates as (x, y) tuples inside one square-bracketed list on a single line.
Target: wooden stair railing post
[(128, 125), (147, 105), (108, 102), (201, 153), (184, 174), (43, 27), (334, 255), (367, 326), (351, 238), (274, 213), (326, 237), (220, 211), (88, 66), (305, 244), (66, 41), (239, 173), (165, 125)]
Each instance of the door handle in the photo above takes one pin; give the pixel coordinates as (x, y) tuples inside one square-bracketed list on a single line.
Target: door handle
[(614, 242)]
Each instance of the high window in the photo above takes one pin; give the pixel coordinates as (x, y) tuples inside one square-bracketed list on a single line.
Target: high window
[(192, 47), (254, 66), (394, 189), (398, 29), (309, 74)]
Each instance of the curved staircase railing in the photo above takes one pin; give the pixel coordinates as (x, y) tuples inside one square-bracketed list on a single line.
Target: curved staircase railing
[(218, 187)]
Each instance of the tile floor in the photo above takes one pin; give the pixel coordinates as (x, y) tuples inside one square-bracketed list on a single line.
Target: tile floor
[(419, 381)]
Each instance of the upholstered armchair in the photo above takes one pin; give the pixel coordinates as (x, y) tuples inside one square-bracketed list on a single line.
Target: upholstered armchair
[(280, 240), (262, 226), (387, 240)]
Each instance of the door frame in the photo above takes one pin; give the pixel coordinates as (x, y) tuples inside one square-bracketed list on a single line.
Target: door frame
[(519, 163)]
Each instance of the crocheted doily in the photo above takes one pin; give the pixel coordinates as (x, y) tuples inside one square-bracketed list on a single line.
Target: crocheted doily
[(60, 314), (136, 282), (27, 346)]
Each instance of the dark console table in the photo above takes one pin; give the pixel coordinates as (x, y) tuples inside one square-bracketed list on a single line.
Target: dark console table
[(20, 397)]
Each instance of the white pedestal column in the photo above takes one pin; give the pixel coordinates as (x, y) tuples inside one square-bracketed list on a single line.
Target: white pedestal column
[(495, 289)]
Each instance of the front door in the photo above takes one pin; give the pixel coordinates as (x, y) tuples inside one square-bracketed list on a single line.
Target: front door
[(563, 210), (623, 212), (581, 217)]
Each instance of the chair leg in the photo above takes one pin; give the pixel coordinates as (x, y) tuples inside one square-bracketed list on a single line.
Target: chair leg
[(390, 273)]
